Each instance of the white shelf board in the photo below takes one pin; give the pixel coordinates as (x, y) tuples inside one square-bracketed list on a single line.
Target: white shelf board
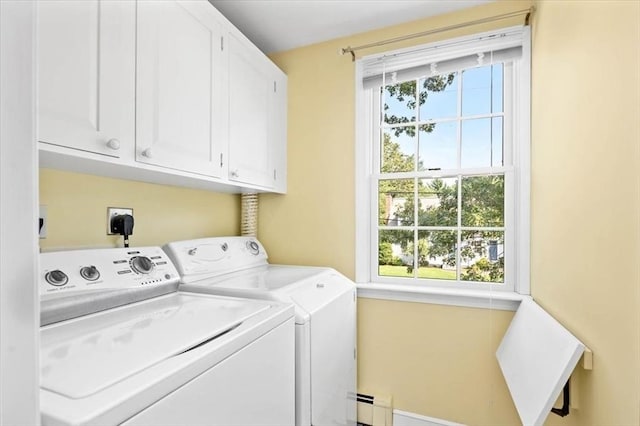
[(537, 356)]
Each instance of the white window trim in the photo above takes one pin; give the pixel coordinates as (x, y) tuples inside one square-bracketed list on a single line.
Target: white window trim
[(492, 298), (496, 300)]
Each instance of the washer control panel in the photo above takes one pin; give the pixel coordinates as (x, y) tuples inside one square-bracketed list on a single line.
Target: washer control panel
[(118, 268)]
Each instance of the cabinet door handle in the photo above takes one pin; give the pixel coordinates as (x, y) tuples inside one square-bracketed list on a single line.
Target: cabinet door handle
[(113, 144), (234, 173), (147, 153)]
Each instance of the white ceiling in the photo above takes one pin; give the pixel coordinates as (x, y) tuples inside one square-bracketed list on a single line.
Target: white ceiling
[(277, 25)]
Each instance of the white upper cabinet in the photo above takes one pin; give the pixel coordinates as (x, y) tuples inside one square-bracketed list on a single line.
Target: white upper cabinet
[(164, 91), (257, 99), (86, 75), (180, 120)]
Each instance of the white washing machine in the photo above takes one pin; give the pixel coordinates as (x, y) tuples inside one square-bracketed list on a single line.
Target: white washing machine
[(119, 345), (325, 312)]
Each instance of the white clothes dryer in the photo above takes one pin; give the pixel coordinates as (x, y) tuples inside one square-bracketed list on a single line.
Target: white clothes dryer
[(120, 346), (325, 316)]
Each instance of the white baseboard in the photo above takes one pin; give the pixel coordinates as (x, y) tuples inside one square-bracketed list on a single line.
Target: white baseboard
[(404, 418)]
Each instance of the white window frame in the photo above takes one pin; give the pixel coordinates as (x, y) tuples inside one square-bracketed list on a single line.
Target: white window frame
[(496, 296)]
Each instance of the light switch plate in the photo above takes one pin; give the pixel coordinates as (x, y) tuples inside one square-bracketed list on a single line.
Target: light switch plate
[(113, 211)]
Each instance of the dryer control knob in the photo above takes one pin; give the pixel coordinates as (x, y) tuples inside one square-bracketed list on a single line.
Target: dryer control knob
[(57, 278), (253, 247)]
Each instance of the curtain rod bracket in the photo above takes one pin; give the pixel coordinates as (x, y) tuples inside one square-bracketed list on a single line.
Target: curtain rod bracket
[(527, 19), (350, 50)]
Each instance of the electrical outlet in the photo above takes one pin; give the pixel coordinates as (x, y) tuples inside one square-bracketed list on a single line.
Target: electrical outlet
[(113, 211), (42, 219)]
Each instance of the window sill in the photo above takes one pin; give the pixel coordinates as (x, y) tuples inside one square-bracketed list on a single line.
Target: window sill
[(500, 300)]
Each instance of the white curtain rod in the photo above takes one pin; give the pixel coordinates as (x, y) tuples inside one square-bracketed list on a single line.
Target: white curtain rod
[(353, 50)]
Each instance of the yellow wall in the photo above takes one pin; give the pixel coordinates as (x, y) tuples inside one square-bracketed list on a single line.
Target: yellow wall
[(585, 188), (435, 360), (77, 211)]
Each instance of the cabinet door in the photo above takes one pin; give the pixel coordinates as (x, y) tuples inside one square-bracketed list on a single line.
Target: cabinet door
[(250, 88), (179, 103), (278, 130), (86, 69)]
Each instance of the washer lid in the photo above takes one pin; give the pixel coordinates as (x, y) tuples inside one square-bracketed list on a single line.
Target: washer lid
[(83, 356)]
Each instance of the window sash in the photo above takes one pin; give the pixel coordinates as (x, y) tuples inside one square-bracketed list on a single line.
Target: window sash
[(509, 242), (378, 128)]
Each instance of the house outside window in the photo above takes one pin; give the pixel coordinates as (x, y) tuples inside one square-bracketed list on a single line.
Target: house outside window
[(443, 164)]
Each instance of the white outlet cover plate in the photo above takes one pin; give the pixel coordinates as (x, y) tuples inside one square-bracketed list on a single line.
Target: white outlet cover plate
[(112, 211)]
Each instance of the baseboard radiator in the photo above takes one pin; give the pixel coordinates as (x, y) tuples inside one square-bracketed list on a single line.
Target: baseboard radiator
[(375, 410)]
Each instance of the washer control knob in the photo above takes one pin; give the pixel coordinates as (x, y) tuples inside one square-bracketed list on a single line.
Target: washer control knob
[(90, 273), (253, 247), (113, 144), (141, 264), (56, 278)]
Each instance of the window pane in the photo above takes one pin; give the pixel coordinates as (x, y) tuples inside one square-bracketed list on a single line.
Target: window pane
[(398, 150), (399, 102), (395, 253), (483, 201), (437, 254), (395, 202), (482, 256), (439, 97), (476, 143), (476, 91), (438, 146), (438, 202), (496, 89), (497, 142)]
